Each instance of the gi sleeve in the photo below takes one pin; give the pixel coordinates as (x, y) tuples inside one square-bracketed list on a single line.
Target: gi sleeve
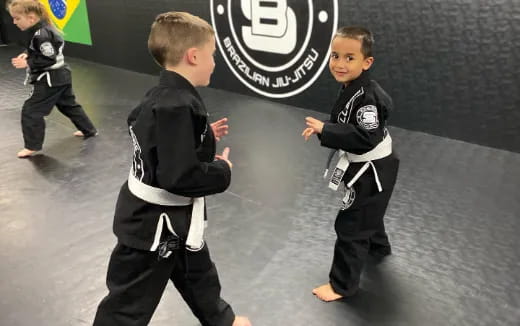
[(45, 53), (324, 122), (133, 116), (178, 168), (360, 134)]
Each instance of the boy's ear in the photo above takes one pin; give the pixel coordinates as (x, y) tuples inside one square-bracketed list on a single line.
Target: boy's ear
[(33, 18), (191, 56), (367, 63)]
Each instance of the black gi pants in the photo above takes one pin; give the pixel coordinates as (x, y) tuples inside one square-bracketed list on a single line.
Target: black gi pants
[(40, 104), (136, 280), (360, 228)]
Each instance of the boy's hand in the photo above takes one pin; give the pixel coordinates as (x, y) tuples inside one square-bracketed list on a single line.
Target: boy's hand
[(19, 63), (314, 124), (307, 133), (241, 321), (23, 55), (220, 128), (225, 157)]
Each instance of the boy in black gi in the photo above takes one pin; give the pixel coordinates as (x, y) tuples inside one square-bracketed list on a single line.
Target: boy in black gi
[(159, 217), (47, 71), (367, 168)]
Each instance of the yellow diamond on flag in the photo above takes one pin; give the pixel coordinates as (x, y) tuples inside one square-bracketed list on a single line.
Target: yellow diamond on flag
[(61, 10)]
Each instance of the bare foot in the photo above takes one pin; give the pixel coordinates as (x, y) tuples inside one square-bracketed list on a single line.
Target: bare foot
[(81, 134), (25, 153), (326, 293), (241, 321)]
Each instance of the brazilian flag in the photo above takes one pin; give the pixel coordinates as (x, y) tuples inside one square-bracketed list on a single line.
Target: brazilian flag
[(71, 17)]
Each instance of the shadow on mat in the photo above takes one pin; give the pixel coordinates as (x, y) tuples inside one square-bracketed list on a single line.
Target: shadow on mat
[(51, 168), (378, 301)]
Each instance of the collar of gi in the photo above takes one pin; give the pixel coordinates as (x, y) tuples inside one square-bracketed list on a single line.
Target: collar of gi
[(355, 85), (346, 93), (174, 80), (36, 27)]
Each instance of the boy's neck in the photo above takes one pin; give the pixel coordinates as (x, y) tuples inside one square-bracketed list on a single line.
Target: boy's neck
[(183, 72), (36, 25), (362, 75)]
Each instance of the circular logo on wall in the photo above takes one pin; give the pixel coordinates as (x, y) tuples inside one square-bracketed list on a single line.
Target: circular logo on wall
[(277, 48)]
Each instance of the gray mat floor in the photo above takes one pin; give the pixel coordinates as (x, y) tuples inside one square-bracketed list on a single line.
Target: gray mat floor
[(453, 219)]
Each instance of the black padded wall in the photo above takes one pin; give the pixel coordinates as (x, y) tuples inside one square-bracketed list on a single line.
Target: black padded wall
[(452, 66)]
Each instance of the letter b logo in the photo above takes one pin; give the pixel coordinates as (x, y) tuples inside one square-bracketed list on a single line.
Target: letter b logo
[(273, 26)]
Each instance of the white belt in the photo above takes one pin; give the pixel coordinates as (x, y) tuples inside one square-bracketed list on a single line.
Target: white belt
[(48, 75), (27, 76), (158, 196), (382, 150)]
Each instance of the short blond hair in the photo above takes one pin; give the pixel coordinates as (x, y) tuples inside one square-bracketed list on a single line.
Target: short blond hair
[(175, 32), (26, 7)]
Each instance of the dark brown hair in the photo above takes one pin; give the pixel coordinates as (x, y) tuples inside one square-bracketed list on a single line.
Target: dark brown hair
[(358, 33)]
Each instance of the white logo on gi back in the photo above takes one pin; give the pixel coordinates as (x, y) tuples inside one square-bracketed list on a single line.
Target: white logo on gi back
[(137, 160), (277, 48)]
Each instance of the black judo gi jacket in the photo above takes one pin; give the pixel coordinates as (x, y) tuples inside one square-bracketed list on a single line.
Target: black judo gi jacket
[(45, 55), (174, 149), (358, 122)]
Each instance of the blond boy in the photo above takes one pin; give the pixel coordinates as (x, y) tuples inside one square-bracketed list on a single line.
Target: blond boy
[(159, 218)]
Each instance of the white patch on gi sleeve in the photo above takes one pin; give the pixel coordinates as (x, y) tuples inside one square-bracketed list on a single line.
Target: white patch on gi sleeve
[(47, 49), (367, 117)]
